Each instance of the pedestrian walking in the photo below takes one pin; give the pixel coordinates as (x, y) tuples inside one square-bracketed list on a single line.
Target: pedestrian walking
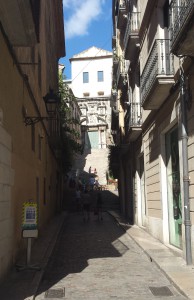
[(91, 182), (86, 205), (78, 199), (83, 184), (98, 209), (97, 184)]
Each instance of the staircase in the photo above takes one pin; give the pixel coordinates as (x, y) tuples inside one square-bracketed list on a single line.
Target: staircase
[(110, 201), (96, 159)]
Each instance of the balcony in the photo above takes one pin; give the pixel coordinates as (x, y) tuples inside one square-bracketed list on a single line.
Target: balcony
[(114, 41), (133, 122), (157, 76), (131, 37), (121, 76), (182, 26), (113, 98), (122, 14), (19, 22), (115, 63)]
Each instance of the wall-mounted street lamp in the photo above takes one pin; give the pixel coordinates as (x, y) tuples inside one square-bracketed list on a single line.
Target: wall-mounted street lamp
[(51, 101)]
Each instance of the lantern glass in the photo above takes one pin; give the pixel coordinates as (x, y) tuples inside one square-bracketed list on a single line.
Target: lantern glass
[(51, 102)]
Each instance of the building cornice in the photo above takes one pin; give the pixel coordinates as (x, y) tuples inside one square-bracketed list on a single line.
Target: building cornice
[(93, 99), (90, 58)]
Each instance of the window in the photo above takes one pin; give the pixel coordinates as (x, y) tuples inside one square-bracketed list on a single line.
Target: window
[(33, 137), (39, 147), (39, 72), (35, 5), (44, 192), (166, 14), (32, 54), (101, 93), (85, 77), (38, 195), (100, 76), (93, 140)]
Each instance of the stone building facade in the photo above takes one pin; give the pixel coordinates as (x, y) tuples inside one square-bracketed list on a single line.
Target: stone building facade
[(91, 85), (153, 82), (31, 42)]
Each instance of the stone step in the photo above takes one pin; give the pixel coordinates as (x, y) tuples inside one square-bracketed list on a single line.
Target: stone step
[(96, 158)]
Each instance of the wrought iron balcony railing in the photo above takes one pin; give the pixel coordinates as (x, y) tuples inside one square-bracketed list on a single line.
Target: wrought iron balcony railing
[(181, 10), (115, 59), (121, 17), (133, 25), (114, 41), (133, 116), (115, 65), (122, 69), (159, 64), (115, 56)]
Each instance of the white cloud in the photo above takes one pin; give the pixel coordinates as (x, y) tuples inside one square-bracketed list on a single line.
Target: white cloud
[(80, 15)]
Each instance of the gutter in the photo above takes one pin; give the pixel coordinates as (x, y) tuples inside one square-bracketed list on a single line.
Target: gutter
[(184, 138)]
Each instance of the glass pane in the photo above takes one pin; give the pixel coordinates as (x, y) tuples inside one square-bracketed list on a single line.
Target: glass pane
[(93, 138), (173, 183), (85, 77), (100, 76)]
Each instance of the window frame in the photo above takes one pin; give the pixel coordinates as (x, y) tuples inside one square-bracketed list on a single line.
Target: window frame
[(100, 76), (85, 77)]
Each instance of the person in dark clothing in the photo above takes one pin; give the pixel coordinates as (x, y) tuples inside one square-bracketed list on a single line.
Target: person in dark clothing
[(99, 206), (86, 205)]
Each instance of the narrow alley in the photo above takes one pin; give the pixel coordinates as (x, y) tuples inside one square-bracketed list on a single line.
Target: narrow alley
[(98, 260)]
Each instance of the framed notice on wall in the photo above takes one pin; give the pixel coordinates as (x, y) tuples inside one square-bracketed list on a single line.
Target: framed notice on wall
[(30, 213)]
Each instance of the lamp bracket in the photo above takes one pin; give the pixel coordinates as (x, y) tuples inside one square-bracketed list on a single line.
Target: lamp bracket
[(34, 120), (28, 63)]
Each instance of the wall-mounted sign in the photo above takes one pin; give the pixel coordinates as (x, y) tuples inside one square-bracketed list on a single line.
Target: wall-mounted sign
[(30, 215)]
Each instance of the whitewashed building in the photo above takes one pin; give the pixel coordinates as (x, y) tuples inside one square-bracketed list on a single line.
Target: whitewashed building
[(91, 84)]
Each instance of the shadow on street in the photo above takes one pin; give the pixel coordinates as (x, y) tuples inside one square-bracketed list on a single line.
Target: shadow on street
[(81, 241)]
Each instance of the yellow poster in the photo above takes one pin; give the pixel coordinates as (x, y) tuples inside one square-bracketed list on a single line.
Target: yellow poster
[(29, 215)]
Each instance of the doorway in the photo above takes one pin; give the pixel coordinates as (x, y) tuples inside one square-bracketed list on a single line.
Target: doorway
[(142, 189), (173, 188), (38, 198)]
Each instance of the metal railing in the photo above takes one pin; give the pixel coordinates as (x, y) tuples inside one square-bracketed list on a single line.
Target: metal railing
[(115, 55), (114, 41), (133, 25), (133, 116), (179, 12), (159, 63), (122, 5), (121, 12), (122, 69)]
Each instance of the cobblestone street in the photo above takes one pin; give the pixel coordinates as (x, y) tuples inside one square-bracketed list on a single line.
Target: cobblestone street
[(98, 260)]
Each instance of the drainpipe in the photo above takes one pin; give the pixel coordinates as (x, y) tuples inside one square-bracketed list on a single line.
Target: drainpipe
[(184, 137)]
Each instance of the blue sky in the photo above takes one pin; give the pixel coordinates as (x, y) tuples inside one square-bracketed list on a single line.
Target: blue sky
[(87, 23)]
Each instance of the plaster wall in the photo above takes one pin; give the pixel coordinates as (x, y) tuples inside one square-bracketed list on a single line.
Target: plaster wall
[(93, 87), (20, 165)]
